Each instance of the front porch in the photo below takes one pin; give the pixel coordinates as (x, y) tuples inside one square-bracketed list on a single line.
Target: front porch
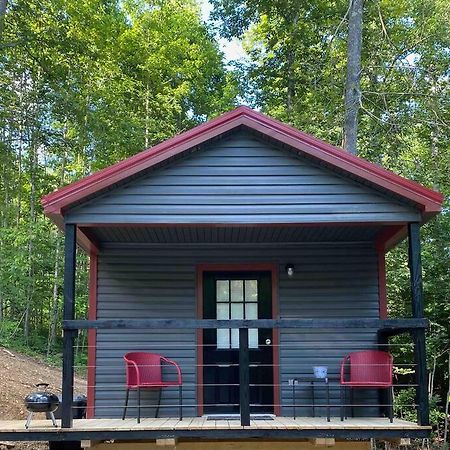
[(280, 428)]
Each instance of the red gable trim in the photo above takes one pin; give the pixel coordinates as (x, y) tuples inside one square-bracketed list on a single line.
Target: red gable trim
[(428, 200)]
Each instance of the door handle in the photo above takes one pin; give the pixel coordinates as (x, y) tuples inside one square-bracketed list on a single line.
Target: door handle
[(268, 341)]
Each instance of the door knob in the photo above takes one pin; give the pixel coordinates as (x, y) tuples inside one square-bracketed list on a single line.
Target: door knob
[(268, 341)]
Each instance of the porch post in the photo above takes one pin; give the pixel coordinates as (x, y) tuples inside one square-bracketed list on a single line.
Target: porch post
[(244, 377), (420, 358), (68, 314)]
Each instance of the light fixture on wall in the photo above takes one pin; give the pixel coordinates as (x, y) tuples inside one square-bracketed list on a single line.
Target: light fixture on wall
[(290, 269)]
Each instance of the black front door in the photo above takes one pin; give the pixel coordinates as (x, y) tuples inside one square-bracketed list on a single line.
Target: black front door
[(237, 295)]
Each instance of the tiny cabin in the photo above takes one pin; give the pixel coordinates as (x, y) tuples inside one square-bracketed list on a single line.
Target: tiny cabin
[(251, 258)]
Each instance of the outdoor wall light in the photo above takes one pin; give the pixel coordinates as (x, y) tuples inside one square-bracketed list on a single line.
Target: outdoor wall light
[(290, 269)]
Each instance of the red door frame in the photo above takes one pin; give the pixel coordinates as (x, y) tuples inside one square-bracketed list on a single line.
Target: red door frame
[(269, 267)]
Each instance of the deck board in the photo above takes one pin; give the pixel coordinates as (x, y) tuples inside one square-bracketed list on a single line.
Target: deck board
[(201, 423)]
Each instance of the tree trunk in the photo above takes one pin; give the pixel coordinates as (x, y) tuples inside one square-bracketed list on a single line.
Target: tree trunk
[(55, 300), (447, 401), (291, 57), (19, 155), (431, 377), (147, 115), (352, 85), (31, 281), (55, 306), (291, 83)]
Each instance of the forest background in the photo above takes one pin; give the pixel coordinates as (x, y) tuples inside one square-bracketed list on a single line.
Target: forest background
[(85, 83)]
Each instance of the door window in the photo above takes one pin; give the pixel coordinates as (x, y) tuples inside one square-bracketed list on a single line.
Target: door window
[(236, 299)]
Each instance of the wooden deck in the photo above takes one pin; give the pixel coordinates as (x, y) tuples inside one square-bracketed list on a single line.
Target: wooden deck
[(200, 427)]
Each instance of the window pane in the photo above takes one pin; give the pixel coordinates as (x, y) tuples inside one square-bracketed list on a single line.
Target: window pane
[(237, 310), (237, 290), (235, 338), (223, 338), (222, 311), (251, 290), (251, 310), (253, 338), (222, 291)]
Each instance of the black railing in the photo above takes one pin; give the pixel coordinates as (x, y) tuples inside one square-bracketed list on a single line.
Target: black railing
[(385, 328)]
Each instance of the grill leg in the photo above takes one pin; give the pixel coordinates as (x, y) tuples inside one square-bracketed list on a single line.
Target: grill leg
[(52, 416), (126, 404), (30, 416)]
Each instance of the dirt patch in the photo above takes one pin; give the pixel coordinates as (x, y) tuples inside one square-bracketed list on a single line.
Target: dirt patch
[(18, 376)]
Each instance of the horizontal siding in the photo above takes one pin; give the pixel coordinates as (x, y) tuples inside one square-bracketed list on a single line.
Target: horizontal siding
[(242, 180), (331, 281)]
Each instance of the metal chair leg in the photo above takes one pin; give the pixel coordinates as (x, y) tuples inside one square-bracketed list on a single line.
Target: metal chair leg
[(159, 403), (391, 404), (293, 397), (328, 400), (139, 405), (181, 401), (342, 403), (352, 402), (346, 402), (126, 405)]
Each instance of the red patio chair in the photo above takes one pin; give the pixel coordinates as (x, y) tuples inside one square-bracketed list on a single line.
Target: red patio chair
[(367, 369), (144, 371)]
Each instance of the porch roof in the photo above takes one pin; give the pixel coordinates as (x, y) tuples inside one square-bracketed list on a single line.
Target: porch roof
[(427, 200), (233, 235)]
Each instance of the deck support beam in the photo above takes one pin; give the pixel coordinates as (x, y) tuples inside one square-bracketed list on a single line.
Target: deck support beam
[(168, 442), (244, 377), (418, 335), (70, 251)]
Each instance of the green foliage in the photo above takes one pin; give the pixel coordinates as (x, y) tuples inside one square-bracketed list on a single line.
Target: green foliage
[(405, 408), (84, 84)]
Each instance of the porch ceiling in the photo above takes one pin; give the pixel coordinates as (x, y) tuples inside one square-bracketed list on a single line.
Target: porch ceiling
[(238, 234)]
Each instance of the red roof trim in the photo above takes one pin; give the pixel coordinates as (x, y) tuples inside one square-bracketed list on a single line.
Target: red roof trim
[(55, 203)]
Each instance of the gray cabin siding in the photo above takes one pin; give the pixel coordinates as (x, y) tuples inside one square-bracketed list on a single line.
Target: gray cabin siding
[(242, 179), (331, 280)]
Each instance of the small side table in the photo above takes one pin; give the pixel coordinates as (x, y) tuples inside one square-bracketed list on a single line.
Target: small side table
[(312, 381)]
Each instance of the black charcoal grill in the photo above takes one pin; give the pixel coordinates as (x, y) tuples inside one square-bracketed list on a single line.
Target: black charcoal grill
[(41, 401)]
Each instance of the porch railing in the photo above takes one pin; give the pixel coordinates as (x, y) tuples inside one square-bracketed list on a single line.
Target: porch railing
[(384, 328)]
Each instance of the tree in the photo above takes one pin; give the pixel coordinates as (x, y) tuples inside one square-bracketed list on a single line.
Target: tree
[(352, 83), (84, 84)]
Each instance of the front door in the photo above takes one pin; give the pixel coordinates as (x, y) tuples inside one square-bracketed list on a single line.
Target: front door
[(237, 295)]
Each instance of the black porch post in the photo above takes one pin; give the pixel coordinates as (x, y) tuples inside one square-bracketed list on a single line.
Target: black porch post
[(420, 359), (69, 314), (244, 377)]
